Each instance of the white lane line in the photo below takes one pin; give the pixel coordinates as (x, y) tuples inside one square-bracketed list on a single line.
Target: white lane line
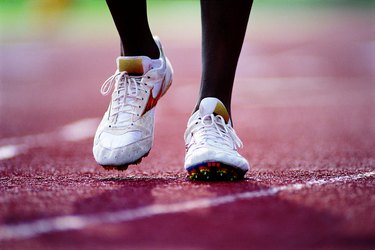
[(77, 222), (10, 151), (76, 131), (80, 130)]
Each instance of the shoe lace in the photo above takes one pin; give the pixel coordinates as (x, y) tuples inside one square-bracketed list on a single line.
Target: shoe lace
[(214, 131), (125, 98)]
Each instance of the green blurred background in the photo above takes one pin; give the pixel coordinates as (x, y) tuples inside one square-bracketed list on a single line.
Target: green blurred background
[(89, 20)]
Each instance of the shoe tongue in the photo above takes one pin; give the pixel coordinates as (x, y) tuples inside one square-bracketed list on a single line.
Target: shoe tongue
[(134, 65), (212, 105)]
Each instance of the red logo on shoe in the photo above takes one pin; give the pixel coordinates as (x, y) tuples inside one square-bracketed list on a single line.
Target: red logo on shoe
[(152, 101)]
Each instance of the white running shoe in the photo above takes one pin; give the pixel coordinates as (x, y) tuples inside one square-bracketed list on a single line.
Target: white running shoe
[(126, 132), (211, 144)]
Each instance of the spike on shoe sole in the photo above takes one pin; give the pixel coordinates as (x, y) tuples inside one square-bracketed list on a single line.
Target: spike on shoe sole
[(214, 171)]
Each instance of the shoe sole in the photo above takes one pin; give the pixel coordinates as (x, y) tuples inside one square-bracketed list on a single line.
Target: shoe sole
[(215, 171), (124, 166)]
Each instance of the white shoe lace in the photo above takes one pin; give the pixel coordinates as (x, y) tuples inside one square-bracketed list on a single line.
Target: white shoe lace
[(213, 130), (125, 99)]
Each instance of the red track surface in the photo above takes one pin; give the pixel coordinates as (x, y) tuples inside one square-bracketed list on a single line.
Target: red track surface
[(304, 109)]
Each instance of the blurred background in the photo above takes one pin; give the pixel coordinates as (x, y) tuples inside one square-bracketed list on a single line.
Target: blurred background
[(82, 20), (55, 53)]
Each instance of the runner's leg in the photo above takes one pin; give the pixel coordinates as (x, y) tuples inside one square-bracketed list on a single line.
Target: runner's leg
[(224, 25), (130, 17)]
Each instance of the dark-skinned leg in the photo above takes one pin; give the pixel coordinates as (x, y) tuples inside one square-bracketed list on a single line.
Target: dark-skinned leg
[(130, 17), (224, 25)]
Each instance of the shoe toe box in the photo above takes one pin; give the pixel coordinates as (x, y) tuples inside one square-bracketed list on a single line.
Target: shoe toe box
[(113, 141), (123, 149)]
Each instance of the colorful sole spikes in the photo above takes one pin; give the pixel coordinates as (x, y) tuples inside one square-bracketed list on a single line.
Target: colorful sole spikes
[(214, 171)]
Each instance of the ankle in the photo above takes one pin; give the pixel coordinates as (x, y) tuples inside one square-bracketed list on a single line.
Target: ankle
[(227, 104), (151, 51)]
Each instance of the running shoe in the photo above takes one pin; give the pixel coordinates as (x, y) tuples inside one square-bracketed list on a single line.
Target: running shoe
[(126, 132), (211, 144)]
